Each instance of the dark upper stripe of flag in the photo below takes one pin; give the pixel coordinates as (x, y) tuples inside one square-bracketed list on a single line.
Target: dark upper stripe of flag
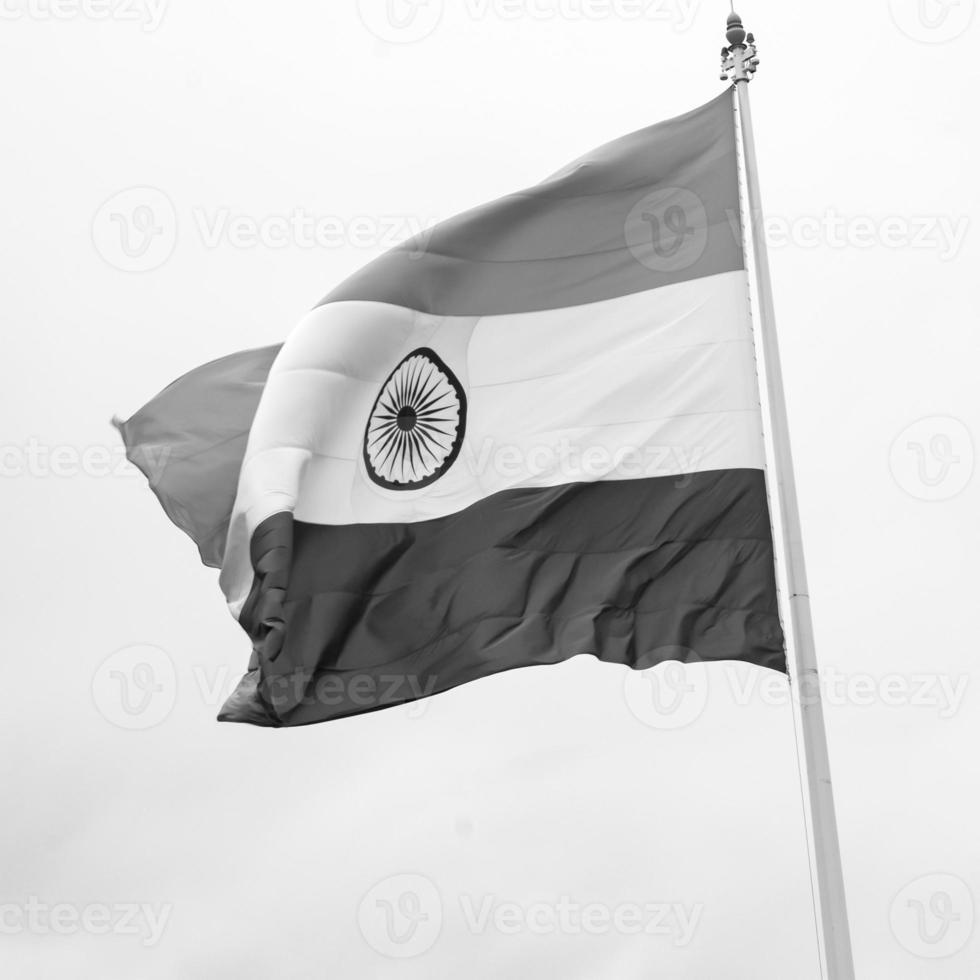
[(564, 242), (189, 442), (347, 619)]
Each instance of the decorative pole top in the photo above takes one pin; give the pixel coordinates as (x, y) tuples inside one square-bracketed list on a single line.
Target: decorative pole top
[(739, 60)]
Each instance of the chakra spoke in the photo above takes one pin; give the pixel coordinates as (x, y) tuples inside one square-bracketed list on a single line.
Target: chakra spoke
[(427, 388), (427, 439), (433, 428), (423, 446), (415, 386), (410, 447), (390, 446), (432, 401), (387, 430)]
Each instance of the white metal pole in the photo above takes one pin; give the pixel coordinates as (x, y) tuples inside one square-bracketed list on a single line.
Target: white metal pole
[(739, 62)]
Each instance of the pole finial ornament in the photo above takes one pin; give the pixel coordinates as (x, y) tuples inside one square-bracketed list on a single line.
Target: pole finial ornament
[(735, 33), (740, 59)]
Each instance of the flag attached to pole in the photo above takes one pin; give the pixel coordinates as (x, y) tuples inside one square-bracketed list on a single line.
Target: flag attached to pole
[(531, 433)]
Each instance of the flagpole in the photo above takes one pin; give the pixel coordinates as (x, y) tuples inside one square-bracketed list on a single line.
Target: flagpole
[(739, 63)]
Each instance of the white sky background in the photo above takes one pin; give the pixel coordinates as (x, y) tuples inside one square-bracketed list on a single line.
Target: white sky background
[(258, 846)]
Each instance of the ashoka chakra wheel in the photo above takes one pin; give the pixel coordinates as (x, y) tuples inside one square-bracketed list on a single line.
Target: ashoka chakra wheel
[(416, 426)]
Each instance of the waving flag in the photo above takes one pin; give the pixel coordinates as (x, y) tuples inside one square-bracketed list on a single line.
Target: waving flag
[(532, 433)]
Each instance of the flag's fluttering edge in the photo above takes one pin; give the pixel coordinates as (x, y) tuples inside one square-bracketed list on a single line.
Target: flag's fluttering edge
[(530, 433)]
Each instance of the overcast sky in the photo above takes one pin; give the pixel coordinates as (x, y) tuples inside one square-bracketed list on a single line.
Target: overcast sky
[(181, 180)]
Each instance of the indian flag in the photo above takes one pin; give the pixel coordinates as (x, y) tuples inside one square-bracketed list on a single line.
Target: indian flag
[(531, 433)]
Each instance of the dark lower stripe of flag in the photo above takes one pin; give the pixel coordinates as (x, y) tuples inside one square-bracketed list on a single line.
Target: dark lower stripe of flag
[(348, 619)]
